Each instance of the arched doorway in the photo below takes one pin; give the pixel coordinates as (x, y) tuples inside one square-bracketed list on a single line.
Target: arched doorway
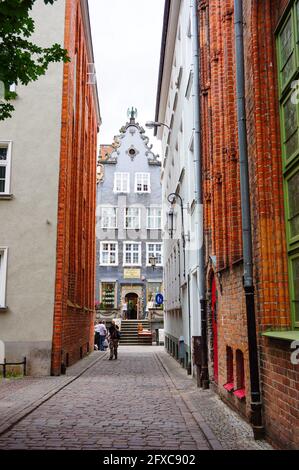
[(214, 327), (132, 306)]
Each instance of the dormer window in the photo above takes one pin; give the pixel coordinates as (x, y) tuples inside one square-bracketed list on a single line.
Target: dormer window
[(142, 183)]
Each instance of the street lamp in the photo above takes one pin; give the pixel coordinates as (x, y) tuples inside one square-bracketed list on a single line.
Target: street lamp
[(154, 125), (170, 222)]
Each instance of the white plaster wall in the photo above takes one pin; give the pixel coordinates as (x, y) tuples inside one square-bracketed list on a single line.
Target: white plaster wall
[(29, 220), (178, 170)]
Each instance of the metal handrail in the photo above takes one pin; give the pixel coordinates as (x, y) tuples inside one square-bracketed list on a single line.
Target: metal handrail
[(5, 364)]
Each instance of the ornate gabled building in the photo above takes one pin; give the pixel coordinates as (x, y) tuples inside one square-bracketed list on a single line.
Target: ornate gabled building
[(129, 237)]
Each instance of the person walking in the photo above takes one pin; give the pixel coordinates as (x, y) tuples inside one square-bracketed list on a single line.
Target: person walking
[(114, 336), (102, 335), (97, 335)]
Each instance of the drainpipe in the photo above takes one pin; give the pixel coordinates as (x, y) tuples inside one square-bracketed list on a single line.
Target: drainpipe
[(204, 377), (255, 403)]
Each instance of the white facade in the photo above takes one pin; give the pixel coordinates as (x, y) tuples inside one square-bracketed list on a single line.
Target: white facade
[(28, 208), (175, 108)]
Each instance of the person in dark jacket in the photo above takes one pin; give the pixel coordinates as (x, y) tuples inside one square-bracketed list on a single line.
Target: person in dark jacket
[(113, 340)]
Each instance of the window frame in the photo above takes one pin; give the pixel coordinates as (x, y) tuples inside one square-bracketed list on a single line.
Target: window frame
[(6, 144), (3, 275), (143, 174), (290, 166), (292, 293), (291, 15), (110, 242), (291, 241), (148, 217), (125, 263), (155, 251), (287, 162), (123, 174), (126, 218), (116, 217)]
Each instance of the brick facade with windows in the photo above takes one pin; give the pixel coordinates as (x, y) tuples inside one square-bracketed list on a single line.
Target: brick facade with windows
[(75, 272), (228, 328)]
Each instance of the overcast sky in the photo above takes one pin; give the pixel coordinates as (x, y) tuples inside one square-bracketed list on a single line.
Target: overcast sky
[(127, 39)]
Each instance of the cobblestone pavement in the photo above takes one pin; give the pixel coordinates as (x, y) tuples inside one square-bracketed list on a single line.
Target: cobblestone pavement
[(123, 404), (144, 400), (228, 427), (20, 396)]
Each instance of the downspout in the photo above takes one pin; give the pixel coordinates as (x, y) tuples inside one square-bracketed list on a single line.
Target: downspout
[(204, 376), (255, 403)]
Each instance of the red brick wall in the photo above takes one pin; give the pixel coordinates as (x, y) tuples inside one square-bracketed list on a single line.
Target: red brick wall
[(75, 275), (222, 203), (280, 379), (222, 184)]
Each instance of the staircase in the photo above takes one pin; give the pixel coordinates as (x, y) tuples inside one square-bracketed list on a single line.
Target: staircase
[(129, 333)]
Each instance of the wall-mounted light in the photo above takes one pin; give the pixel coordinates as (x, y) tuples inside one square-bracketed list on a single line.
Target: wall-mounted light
[(154, 125), (170, 222)]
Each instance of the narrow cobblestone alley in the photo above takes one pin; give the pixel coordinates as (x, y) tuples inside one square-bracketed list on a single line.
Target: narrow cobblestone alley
[(144, 400)]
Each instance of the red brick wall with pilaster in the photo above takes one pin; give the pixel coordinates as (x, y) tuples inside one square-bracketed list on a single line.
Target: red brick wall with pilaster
[(222, 207), (75, 275), (221, 184), (280, 379)]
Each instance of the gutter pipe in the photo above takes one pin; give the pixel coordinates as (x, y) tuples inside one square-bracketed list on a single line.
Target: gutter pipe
[(255, 403), (204, 376)]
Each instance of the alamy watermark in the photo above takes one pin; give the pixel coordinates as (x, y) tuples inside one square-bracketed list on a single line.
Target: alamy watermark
[(295, 353)]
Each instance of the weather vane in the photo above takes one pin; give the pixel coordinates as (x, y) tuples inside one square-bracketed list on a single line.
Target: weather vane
[(132, 113)]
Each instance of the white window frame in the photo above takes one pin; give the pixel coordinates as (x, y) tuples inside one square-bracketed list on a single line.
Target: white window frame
[(109, 251), (154, 252), (109, 217), (124, 182), (3, 275), (7, 164), (125, 263), (153, 217), (126, 217), (145, 180)]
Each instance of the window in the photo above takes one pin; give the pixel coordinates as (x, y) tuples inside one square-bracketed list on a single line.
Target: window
[(240, 382), (108, 295), (5, 164), (132, 218), (108, 254), (109, 217), (142, 183), (3, 269), (132, 254), (154, 250), (229, 386), (294, 261), (154, 215), (121, 183), (189, 86), (288, 70)]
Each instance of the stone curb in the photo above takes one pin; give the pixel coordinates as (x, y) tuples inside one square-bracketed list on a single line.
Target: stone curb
[(206, 430), (27, 410)]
